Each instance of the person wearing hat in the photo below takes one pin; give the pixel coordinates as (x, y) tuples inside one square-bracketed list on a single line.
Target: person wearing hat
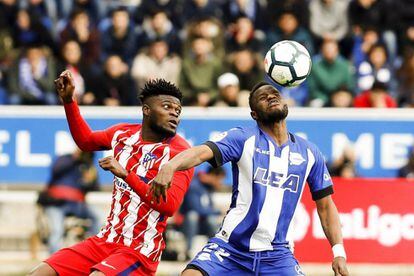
[(229, 91)]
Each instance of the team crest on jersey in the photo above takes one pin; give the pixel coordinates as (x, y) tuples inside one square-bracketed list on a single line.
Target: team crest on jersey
[(149, 157), (295, 159)]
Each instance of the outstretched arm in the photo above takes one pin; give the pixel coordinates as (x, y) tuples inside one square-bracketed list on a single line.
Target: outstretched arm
[(329, 217), (85, 138), (182, 161)]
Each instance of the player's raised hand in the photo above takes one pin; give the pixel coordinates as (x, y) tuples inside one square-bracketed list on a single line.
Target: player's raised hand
[(161, 183), (65, 86), (339, 266), (109, 163)]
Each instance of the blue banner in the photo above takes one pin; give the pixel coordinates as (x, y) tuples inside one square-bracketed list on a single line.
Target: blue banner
[(31, 140)]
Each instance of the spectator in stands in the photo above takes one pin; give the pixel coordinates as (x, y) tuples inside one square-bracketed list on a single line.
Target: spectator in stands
[(43, 10), (229, 91), (376, 68), (29, 30), (300, 8), (377, 96), (95, 9), (250, 8), (199, 73), (73, 175), (155, 62), (344, 165), (81, 30), (8, 50), (31, 78), (209, 28), (405, 76), (115, 87), (8, 11), (342, 98), (363, 42), (242, 34), (365, 14), (200, 215), (408, 170), (194, 9), (247, 66), (288, 28), (405, 20), (173, 9), (329, 73), (328, 21), (407, 42), (159, 26), (119, 38), (83, 75)]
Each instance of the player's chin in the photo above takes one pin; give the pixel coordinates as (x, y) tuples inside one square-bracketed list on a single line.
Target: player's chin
[(277, 114), (170, 130)]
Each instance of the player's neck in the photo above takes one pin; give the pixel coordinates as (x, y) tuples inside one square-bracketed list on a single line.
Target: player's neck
[(148, 135), (277, 131)]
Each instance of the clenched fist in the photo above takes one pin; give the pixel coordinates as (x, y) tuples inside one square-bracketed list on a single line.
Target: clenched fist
[(161, 183), (65, 86)]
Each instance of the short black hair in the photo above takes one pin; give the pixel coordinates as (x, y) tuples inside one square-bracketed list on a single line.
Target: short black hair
[(157, 40), (118, 9), (379, 85), (254, 89), (76, 12), (376, 46), (157, 87), (155, 10)]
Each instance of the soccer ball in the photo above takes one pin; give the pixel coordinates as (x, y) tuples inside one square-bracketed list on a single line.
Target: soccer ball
[(288, 63)]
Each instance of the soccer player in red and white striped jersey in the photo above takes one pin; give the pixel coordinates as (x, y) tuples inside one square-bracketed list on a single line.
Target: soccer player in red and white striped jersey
[(131, 243)]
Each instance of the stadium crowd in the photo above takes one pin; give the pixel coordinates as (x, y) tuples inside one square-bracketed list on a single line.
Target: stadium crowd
[(363, 54)]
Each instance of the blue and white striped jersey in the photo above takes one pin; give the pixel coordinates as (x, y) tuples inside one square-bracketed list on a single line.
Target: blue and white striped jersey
[(268, 182)]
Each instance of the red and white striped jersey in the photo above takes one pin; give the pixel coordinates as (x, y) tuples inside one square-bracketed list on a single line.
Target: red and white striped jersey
[(135, 220)]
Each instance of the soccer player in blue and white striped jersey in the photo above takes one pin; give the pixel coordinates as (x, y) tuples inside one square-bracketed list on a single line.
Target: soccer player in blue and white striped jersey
[(270, 169)]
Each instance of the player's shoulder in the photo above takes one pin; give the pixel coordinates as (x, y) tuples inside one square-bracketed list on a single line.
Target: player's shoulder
[(305, 144), (126, 127), (245, 130), (235, 133), (179, 143)]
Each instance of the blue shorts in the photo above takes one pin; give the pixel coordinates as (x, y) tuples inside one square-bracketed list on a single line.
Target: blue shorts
[(219, 257)]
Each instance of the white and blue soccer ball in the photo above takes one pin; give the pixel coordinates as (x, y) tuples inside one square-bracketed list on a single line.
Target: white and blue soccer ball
[(288, 63)]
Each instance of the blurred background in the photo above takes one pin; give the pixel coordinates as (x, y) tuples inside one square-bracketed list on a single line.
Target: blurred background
[(357, 106)]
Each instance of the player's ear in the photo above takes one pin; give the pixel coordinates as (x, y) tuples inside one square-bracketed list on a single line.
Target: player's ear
[(254, 115), (146, 110)]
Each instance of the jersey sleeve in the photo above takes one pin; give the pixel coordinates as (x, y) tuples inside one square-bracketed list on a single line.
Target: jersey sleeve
[(85, 138), (319, 179), (227, 146)]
